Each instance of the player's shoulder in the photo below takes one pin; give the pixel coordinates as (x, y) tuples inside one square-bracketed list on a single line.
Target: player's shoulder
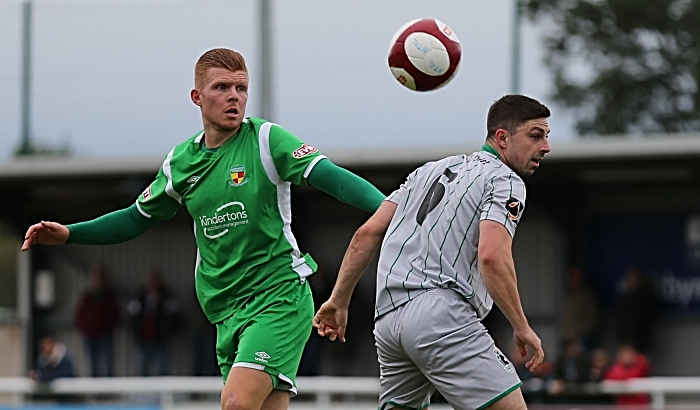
[(453, 161), (430, 167), (449, 162), (256, 124)]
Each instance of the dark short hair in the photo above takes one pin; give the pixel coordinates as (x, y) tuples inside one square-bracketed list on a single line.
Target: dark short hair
[(510, 111)]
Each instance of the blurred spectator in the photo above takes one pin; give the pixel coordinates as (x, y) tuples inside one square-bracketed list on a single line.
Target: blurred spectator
[(96, 317), (629, 364), (579, 314), (571, 370), (154, 317), (573, 364), (635, 311), (54, 361), (600, 362)]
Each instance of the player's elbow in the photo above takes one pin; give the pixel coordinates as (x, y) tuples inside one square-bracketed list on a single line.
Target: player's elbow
[(369, 232), (488, 260), (489, 257)]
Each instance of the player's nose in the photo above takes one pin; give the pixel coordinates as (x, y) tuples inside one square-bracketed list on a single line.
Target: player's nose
[(545, 146)]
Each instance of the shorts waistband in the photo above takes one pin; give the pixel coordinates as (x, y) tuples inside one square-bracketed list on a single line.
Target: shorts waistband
[(444, 291)]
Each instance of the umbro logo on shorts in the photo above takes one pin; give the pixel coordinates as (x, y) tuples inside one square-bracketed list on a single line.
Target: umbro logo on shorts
[(262, 356)]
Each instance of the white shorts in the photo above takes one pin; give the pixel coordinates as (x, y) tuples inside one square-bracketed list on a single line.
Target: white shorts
[(436, 341)]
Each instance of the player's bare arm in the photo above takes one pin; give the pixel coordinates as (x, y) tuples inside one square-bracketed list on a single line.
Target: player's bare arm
[(498, 272), (331, 318), (45, 233)]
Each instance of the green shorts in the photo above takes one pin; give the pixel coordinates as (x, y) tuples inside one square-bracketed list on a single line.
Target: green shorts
[(268, 333)]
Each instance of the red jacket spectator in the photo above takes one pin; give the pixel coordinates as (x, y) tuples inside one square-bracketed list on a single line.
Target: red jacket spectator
[(629, 364)]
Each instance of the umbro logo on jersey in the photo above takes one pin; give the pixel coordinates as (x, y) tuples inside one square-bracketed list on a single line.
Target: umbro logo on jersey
[(514, 208), (193, 179), (503, 360), (262, 356)]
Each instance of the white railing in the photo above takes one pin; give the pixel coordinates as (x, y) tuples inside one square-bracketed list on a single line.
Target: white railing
[(658, 387), (322, 388)]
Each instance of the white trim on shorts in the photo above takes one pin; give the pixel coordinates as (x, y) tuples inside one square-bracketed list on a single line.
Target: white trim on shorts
[(286, 380), (255, 366)]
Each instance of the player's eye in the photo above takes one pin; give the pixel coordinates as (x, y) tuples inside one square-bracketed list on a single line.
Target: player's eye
[(242, 88), (221, 87)]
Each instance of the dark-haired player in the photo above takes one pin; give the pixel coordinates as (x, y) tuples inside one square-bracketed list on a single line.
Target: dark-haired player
[(445, 258)]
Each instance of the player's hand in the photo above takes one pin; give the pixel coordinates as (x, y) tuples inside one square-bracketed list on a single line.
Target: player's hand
[(527, 337), (45, 233), (331, 321)]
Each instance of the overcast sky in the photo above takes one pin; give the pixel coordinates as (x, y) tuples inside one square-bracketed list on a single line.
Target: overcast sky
[(112, 78)]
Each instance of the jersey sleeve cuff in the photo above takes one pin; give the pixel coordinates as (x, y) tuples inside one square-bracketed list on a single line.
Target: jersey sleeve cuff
[(313, 163), (394, 197), (507, 224), (141, 211)]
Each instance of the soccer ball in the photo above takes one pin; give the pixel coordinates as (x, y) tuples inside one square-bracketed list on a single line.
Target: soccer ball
[(424, 54)]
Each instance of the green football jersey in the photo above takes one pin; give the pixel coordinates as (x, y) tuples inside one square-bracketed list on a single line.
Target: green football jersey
[(239, 198)]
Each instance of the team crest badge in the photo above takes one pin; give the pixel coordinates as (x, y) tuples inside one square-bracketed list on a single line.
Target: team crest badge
[(238, 176)]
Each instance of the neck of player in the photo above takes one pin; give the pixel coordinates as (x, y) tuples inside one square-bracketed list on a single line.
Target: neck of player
[(215, 137), (499, 153)]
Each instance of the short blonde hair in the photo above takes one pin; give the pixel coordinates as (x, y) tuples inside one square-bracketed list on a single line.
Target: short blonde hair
[(219, 58)]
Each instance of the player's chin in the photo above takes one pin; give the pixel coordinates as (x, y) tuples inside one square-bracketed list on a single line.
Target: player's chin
[(526, 172), (530, 168), (229, 124)]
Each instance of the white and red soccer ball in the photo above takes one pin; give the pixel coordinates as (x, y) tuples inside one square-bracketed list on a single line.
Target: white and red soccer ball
[(424, 54)]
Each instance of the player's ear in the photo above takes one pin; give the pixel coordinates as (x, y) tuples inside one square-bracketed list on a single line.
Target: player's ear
[(196, 98), (501, 137)]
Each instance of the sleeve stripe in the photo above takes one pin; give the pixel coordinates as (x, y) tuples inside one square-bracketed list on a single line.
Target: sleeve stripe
[(312, 165), (141, 211), (169, 175), (266, 153), (392, 196)]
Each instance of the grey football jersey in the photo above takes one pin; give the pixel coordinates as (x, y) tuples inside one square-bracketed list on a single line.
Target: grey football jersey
[(432, 240)]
